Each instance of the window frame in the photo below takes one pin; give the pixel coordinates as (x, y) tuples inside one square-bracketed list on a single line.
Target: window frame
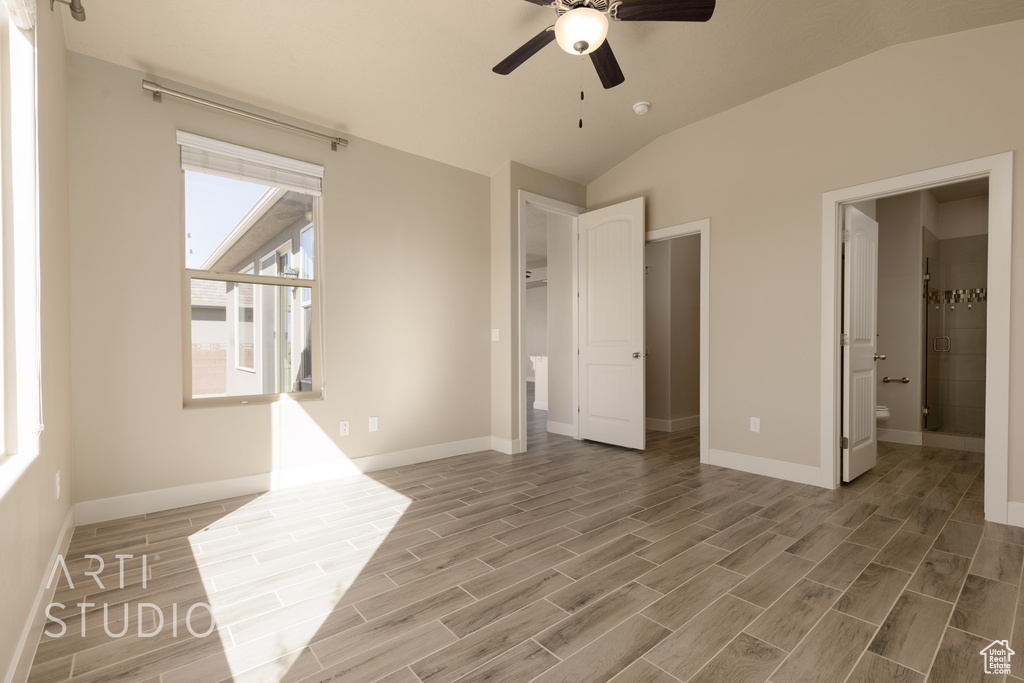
[(188, 274), (249, 270)]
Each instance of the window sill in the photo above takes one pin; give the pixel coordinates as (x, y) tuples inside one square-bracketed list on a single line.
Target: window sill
[(212, 401)]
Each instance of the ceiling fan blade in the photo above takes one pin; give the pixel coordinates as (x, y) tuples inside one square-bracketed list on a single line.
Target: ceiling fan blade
[(607, 66), (540, 2), (665, 10), (532, 47)]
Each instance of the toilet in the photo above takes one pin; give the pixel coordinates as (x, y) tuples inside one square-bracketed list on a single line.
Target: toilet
[(881, 414)]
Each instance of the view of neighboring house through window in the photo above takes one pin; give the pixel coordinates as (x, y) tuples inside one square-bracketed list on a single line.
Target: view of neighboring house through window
[(245, 352), (250, 267), (306, 272)]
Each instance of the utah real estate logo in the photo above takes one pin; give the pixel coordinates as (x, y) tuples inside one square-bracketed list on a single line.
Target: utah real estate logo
[(997, 657)]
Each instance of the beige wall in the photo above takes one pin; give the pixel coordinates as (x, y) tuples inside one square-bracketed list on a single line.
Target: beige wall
[(962, 218), (405, 272), (31, 518), (759, 172), (658, 330), (561, 290), (505, 353), (685, 317), (536, 322), (900, 338)]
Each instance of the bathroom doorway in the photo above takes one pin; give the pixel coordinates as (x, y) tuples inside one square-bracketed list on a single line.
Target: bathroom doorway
[(928, 367), (995, 309), (932, 275)]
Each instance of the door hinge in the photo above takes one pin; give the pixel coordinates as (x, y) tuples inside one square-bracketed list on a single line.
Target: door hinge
[(844, 340), (844, 443), (846, 236), (924, 411)]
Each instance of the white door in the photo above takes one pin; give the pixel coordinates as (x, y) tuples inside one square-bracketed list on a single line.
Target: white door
[(860, 325), (611, 318)]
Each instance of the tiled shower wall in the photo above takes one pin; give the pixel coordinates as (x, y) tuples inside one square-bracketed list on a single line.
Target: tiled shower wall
[(961, 370)]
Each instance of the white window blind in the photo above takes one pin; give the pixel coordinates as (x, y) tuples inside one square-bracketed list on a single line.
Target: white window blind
[(241, 163)]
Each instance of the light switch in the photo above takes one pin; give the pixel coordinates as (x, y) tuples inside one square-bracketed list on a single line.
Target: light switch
[(495, 335)]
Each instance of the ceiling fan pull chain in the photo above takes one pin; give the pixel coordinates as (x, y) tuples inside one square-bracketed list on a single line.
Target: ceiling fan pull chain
[(582, 97)]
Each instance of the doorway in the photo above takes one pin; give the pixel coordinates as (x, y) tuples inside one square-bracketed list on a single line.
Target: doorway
[(998, 172), (700, 229), (672, 323), (548, 311)]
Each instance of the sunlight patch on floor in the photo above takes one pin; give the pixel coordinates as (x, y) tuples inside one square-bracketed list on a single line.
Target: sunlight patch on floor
[(270, 547)]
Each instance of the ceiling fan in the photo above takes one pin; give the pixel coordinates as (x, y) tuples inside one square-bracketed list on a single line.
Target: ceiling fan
[(582, 27)]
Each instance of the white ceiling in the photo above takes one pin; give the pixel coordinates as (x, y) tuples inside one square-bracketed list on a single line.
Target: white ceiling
[(416, 74)]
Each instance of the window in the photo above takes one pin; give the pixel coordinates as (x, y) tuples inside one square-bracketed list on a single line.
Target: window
[(251, 315), (306, 271), (20, 346)]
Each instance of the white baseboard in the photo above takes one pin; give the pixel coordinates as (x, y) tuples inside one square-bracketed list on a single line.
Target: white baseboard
[(1015, 513), (954, 441), (900, 436), (412, 456), (26, 651), (537, 405), (561, 428), (657, 425), (801, 474), (676, 425), (505, 446), (116, 507)]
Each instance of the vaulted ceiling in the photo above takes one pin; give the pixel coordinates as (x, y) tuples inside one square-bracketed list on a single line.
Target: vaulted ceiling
[(416, 74)]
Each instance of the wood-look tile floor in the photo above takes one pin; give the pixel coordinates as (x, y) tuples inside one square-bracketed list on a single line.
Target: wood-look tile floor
[(572, 562)]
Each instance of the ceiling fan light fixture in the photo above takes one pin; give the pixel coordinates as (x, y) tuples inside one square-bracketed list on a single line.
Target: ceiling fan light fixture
[(582, 30)]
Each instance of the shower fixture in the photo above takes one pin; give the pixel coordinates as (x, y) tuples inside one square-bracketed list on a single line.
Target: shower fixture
[(77, 11)]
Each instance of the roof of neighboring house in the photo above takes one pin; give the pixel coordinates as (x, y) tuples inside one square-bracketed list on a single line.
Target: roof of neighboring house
[(209, 294)]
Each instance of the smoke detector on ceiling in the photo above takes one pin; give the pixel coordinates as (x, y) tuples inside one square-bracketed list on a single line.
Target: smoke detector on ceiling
[(641, 108)]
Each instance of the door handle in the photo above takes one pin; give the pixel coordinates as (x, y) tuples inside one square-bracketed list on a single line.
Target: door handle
[(879, 357), (902, 380), (637, 354)]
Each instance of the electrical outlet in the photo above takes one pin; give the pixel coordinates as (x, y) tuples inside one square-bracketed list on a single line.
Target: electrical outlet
[(373, 424), (344, 427), (58, 484), (755, 424)]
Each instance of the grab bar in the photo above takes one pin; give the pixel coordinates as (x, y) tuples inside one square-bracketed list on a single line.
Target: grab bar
[(903, 380), (935, 345)]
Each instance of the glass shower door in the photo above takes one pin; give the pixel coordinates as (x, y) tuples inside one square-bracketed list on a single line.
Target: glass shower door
[(937, 344)]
